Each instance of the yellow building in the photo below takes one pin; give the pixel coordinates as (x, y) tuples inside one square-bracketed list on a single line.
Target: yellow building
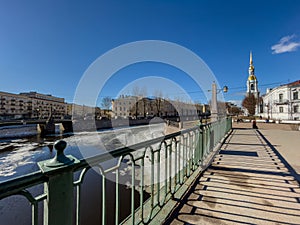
[(31, 105)]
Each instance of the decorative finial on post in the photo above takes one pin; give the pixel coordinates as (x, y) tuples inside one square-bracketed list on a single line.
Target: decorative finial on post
[(59, 186), (60, 158)]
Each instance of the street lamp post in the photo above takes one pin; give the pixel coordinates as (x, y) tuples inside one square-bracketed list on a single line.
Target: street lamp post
[(268, 110), (214, 101)]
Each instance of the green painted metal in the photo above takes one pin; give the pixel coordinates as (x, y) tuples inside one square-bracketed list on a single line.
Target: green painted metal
[(78, 192), (173, 163), (117, 198), (58, 207), (60, 158)]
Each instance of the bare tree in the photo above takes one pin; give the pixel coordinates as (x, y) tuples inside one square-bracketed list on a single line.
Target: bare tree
[(140, 94), (136, 91), (106, 102), (144, 99), (236, 110), (158, 101), (233, 109), (249, 103)]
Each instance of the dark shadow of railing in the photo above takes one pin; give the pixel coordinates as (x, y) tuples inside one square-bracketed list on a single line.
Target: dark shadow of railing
[(282, 159), (273, 180)]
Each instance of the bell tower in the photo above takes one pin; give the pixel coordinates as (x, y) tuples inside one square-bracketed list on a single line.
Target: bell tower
[(252, 82), (252, 85)]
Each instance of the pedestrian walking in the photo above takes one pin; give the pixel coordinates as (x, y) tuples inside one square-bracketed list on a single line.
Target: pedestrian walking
[(254, 126)]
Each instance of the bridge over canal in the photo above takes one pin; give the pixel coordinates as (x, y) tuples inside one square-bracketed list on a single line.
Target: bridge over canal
[(208, 174)]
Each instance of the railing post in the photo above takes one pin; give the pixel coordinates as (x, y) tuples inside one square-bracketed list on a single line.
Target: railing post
[(59, 205), (200, 144)]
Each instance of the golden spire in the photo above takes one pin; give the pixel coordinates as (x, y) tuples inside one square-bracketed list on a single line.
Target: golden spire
[(251, 61), (251, 69)]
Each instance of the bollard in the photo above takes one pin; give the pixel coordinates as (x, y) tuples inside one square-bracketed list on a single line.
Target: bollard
[(59, 205)]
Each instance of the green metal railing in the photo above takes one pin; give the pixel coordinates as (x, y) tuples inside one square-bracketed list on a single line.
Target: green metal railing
[(157, 170)]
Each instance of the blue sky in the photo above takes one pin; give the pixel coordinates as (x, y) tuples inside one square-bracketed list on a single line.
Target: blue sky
[(46, 46)]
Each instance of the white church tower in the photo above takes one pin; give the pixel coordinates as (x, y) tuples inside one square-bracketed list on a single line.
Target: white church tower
[(252, 83)]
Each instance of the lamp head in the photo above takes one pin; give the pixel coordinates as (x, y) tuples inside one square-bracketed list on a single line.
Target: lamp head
[(225, 89)]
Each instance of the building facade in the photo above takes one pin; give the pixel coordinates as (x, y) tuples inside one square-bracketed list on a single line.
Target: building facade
[(139, 107), (283, 102), (123, 106), (31, 105), (14, 106), (84, 111)]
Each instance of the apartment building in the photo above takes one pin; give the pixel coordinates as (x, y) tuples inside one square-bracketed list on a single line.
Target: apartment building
[(31, 105), (14, 106)]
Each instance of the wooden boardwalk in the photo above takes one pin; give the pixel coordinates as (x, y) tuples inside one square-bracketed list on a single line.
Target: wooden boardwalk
[(248, 183)]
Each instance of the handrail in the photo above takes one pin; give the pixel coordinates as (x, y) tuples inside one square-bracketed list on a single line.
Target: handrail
[(125, 150), (15, 185)]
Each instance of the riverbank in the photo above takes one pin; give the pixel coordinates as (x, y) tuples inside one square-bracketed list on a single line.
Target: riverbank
[(17, 131)]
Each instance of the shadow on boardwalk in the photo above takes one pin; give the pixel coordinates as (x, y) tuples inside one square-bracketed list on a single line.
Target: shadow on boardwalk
[(249, 182)]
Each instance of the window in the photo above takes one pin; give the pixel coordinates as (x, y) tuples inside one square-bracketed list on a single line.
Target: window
[(280, 97), (296, 108), (295, 95), (281, 109), (252, 87)]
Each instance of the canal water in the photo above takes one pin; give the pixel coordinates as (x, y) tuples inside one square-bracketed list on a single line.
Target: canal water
[(19, 156)]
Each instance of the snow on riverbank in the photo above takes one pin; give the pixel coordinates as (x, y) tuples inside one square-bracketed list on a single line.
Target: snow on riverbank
[(20, 156), (18, 131)]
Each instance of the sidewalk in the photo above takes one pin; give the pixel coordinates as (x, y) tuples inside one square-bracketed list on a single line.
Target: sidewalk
[(284, 137), (249, 182)]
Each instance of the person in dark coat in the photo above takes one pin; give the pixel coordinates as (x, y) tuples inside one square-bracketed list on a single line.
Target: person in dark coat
[(254, 126)]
